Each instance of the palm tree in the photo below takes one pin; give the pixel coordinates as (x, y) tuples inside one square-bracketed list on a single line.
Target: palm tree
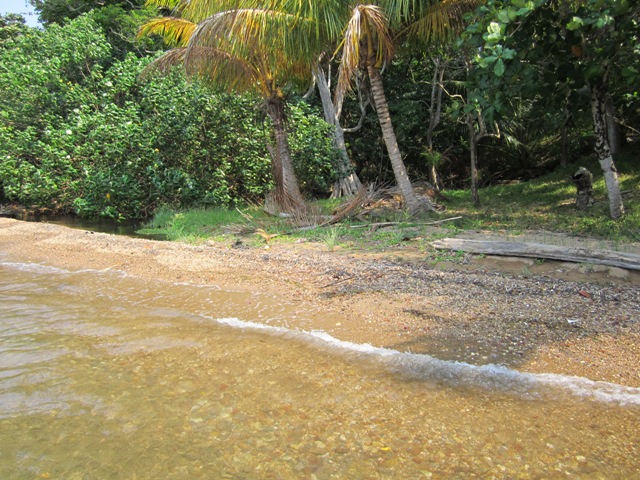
[(367, 45), (243, 49)]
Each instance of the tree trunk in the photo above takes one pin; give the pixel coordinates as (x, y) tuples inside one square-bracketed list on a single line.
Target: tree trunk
[(348, 182), (598, 109), (538, 250), (286, 195), (613, 129), (564, 134), (473, 155), (435, 109), (414, 204)]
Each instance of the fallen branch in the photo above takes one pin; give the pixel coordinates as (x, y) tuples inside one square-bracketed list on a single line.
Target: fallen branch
[(390, 224), (342, 280)]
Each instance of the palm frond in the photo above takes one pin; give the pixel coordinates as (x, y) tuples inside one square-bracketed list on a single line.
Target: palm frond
[(165, 62), (165, 4), (367, 28), (327, 15), (175, 32), (263, 39), (218, 67), (441, 21)]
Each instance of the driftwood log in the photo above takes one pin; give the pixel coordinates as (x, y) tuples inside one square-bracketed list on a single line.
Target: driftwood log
[(539, 250)]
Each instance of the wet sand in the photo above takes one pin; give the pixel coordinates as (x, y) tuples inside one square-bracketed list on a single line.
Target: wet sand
[(550, 317)]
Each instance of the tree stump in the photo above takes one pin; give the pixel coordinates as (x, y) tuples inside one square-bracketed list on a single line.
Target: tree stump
[(583, 180)]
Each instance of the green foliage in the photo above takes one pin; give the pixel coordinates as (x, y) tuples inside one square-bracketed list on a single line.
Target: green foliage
[(314, 156), (84, 134), (12, 26)]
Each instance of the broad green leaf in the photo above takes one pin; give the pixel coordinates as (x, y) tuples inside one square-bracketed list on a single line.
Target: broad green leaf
[(494, 27), (509, 53), (604, 21), (498, 69), (490, 59), (493, 37), (575, 23), (503, 16)]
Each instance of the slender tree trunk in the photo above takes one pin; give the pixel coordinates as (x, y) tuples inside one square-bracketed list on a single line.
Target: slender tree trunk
[(473, 154), (613, 129), (564, 133), (287, 196), (414, 204), (598, 109), (348, 182), (434, 116)]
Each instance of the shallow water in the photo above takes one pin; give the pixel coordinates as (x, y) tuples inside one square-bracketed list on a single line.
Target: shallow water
[(105, 376)]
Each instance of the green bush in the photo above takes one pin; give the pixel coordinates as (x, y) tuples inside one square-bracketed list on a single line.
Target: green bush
[(85, 134)]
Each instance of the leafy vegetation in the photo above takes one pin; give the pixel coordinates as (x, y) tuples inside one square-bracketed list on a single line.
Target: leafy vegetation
[(510, 97), (96, 140)]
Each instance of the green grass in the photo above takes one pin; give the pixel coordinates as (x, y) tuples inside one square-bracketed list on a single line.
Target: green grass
[(543, 204), (548, 203), (191, 226)]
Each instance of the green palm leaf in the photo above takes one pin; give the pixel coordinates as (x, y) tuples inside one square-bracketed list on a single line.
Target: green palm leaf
[(176, 32)]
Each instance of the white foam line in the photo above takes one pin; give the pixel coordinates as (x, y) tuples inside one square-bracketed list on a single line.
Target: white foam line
[(38, 268), (34, 268), (494, 377)]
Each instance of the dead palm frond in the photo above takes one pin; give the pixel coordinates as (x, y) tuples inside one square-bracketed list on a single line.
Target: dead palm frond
[(366, 40), (267, 236)]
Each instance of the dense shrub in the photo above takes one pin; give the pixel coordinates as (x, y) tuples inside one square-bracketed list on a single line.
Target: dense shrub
[(78, 136)]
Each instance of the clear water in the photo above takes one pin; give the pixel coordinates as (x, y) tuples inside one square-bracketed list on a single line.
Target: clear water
[(104, 376)]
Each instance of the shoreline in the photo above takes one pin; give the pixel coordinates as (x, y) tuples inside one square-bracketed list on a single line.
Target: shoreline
[(572, 323)]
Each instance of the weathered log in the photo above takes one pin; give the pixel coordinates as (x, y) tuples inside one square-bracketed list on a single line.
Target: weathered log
[(539, 250)]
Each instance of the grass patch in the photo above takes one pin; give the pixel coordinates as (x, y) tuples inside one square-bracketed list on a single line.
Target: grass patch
[(548, 203), (192, 226)]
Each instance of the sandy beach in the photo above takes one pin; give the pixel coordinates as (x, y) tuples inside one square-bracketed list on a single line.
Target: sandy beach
[(551, 318)]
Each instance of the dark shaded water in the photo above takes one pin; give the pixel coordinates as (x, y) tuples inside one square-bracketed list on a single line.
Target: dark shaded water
[(106, 376), (102, 225)]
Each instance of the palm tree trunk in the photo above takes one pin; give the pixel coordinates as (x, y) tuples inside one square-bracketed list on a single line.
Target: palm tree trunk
[(348, 182), (414, 204), (287, 196), (598, 109)]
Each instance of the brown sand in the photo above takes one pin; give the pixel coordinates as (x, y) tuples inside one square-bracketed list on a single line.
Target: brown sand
[(551, 317)]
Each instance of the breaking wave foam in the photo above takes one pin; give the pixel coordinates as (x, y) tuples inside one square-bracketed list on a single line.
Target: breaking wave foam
[(426, 367)]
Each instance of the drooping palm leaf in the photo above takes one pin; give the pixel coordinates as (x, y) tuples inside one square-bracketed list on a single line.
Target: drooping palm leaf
[(219, 68), (368, 29), (255, 36), (165, 62), (440, 22), (175, 32)]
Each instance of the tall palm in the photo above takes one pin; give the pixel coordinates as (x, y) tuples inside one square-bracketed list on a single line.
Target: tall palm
[(243, 49), (366, 46)]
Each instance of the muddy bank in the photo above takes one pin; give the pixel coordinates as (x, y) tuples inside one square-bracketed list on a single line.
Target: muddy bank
[(549, 317)]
